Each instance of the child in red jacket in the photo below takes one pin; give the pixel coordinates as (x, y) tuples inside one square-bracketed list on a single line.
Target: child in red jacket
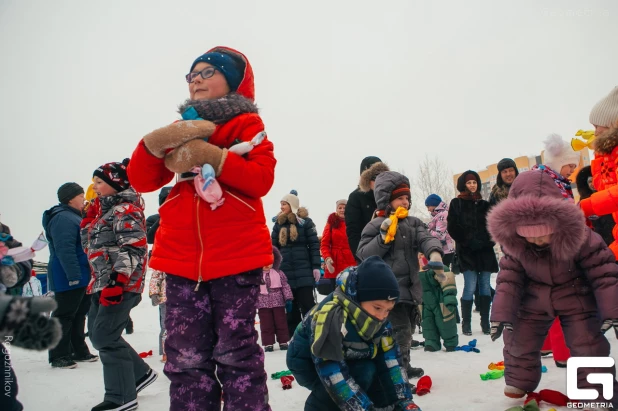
[(213, 257)]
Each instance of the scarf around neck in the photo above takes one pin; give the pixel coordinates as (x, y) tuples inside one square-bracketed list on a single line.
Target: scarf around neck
[(466, 195), (275, 280), (330, 326), (394, 217), (220, 110), (562, 183)]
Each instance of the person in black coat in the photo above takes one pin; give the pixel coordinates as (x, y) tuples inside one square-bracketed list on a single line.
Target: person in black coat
[(361, 202), (467, 225), (152, 222), (296, 237), (604, 225)]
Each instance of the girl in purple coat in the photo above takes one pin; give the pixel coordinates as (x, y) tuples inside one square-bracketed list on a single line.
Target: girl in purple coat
[(553, 266), (274, 301)]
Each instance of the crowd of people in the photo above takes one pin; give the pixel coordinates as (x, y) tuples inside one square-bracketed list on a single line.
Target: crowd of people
[(384, 272)]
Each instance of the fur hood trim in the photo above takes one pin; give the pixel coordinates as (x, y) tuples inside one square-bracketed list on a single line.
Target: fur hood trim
[(334, 220), (370, 175), (535, 199), (461, 181), (278, 258), (607, 141)]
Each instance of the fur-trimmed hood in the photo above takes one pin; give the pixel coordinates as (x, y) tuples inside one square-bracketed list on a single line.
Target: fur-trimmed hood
[(278, 258), (461, 181), (386, 182), (290, 220), (334, 220), (370, 175), (607, 141), (535, 199)]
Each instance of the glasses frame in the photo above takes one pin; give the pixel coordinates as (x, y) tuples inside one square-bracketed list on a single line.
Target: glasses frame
[(207, 73)]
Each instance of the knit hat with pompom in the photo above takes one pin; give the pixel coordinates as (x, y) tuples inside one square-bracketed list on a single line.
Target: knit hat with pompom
[(292, 200), (558, 153)]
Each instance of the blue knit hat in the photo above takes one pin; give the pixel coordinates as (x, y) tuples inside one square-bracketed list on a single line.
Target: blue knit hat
[(376, 281), (230, 67), (433, 200)]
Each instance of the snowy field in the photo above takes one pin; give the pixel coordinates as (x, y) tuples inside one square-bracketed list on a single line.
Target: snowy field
[(456, 382)]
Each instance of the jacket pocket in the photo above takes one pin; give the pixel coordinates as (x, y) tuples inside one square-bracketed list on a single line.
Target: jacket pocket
[(238, 202)]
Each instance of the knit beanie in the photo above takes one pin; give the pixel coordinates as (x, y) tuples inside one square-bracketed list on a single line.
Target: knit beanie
[(68, 191), (605, 112), (376, 281), (433, 200), (114, 174), (507, 163), (342, 201), (231, 68), (368, 162), (538, 230), (401, 190), (292, 200), (470, 177), (558, 153)]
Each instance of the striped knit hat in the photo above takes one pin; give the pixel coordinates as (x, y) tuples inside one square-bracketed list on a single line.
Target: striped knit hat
[(605, 112)]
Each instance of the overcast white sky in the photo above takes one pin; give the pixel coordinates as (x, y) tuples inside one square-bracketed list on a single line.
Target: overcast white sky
[(471, 82)]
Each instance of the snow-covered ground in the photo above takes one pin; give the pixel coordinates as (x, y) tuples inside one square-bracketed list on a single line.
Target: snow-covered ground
[(456, 382)]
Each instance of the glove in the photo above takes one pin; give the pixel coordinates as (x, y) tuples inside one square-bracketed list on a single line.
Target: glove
[(288, 306), (329, 265), (406, 405), (195, 153), (112, 294), (607, 324), (155, 299), (176, 134), (24, 325), (72, 283), (384, 228), (316, 274), (498, 327), (9, 275)]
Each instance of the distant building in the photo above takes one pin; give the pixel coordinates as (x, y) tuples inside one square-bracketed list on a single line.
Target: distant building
[(490, 174)]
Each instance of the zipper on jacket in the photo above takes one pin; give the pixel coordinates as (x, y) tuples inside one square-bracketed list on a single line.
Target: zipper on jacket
[(242, 201), (199, 231)]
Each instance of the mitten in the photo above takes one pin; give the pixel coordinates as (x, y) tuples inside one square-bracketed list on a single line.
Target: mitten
[(9, 275), (286, 382), (607, 324), (423, 386), (329, 265), (288, 306), (195, 153), (384, 228), (112, 294), (498, 327), (176, 134), (155, 299), (23, 324), (316, 274)]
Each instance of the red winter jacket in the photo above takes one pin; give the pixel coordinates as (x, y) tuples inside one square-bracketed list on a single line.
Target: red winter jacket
[(196, 242), (335, 245)]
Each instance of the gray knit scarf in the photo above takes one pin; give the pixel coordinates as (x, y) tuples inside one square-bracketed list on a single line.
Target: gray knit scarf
[(220, 110)]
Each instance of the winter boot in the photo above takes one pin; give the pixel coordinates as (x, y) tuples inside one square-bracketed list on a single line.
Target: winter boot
[(561, 364), (429, 348), (466, 316), (450, 349), (268, 348), (85, 358), (64, 362), (283, 346), (112, 406), (485, 302), (148, 378), (414, 372), (514, 392)]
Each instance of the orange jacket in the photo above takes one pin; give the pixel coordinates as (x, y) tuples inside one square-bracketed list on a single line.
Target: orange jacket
[(335, 245), (196, 242), (604, 170)]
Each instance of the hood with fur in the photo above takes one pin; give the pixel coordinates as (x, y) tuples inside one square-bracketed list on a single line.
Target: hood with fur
[(386, 182), (534, 199), (370, 175), (334, 220), (605, 142), (278, 258), (461, 181)]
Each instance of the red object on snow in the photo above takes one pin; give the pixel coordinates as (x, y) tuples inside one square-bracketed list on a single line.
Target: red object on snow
[(549, 396), (556, 343), (145, 354), (286, 382), (423, 386)]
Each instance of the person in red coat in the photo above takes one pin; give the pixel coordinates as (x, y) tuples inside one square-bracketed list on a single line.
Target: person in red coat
[(213, 258), (334, 246)]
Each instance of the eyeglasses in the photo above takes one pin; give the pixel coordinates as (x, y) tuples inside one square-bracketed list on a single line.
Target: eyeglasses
[(208, 72)]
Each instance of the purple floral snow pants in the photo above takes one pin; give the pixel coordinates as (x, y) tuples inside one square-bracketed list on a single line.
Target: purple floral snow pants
[(213, 330)]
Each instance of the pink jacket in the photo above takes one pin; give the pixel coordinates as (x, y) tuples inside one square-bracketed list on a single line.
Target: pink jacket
[(276, 297), (437, 227), (576, 270)]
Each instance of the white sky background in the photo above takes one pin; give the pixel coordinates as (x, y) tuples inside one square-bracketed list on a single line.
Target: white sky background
[(471, 82)]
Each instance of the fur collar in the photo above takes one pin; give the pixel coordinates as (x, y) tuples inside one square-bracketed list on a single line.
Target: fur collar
[(606, 142), (370, 175), (334, 220), (500, 191), (289, 222)]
